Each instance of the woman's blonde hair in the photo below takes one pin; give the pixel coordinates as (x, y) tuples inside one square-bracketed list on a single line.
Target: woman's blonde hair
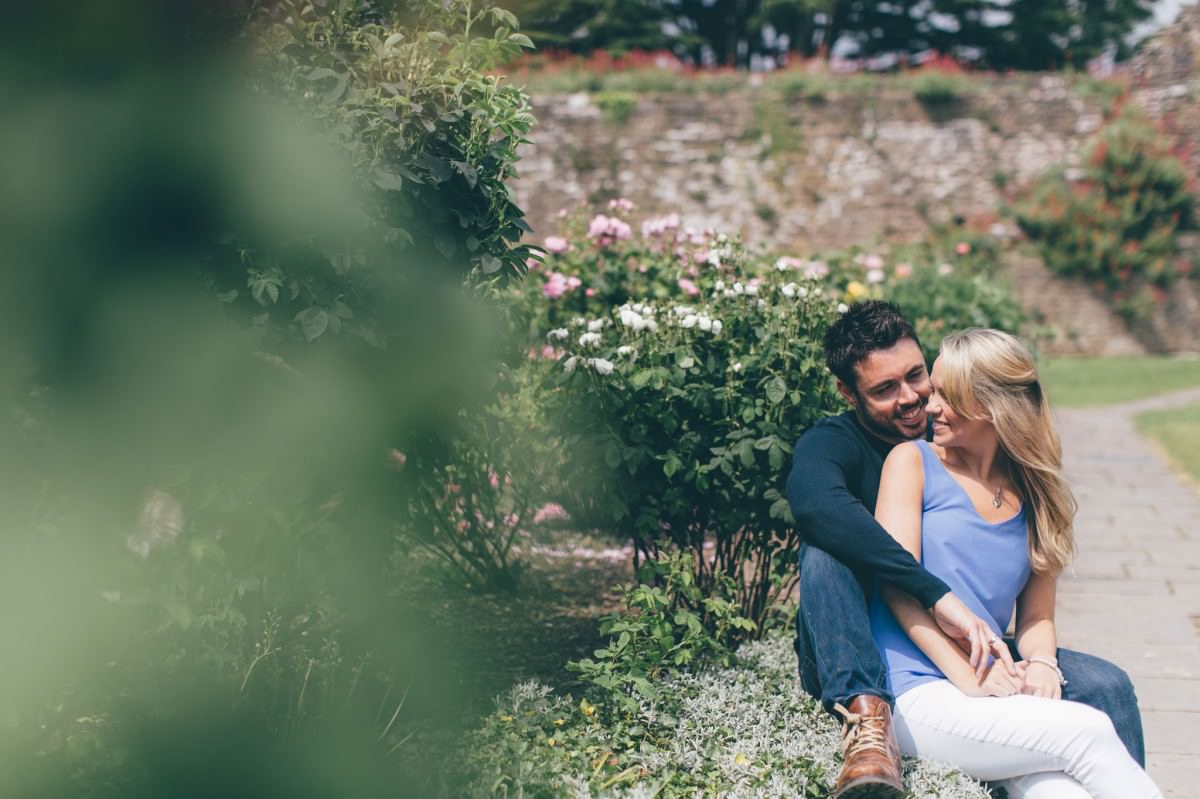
[(989, 374)]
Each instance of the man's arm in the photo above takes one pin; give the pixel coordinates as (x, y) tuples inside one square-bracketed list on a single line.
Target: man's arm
[(835, 520)]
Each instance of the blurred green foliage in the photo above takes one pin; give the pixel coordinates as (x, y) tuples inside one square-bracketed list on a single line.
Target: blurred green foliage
[(213, 334)]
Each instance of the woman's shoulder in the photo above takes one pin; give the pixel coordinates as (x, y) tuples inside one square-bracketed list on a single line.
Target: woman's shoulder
[(906, 454), (905, 466)]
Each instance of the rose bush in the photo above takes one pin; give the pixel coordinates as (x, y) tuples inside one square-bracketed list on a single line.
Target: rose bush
[(1115, 224), (684, 367)]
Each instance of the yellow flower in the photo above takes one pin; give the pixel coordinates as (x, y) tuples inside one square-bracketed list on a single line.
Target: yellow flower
[(559, 722), (854, 290), (506, 718), (551, 742), (741, 759), (587, 708)]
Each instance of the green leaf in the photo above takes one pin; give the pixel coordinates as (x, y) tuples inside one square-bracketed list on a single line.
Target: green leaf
[(781, 509), (745, 451), (641, 378), (503, 17), (389, 181), (467, 171), (522, 39), (313, 322), (776, 390), (776, 457), (612, 456), (490, 264)]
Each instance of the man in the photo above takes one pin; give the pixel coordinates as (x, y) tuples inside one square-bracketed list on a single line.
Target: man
[(874, 353)]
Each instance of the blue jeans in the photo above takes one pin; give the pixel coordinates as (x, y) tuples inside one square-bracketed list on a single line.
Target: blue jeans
[(839, 660)]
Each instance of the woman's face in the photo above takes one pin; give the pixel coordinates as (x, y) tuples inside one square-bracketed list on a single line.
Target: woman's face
[(949, 428)]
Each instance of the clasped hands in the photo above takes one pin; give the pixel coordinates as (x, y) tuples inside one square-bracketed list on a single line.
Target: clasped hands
[(1000, 677), (1034, 679)]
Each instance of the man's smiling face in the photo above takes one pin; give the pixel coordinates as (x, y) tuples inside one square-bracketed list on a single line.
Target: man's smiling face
[(891, 392)]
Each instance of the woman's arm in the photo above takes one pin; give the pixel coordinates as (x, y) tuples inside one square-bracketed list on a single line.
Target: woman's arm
[(1036, 638), (898, 510)]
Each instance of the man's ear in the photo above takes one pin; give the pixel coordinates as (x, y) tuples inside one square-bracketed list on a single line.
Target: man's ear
[(847, 394)]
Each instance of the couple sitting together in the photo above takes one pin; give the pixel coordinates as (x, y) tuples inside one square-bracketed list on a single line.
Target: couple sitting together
[(916, 554)]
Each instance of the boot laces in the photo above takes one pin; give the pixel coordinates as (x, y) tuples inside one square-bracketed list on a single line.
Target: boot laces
[(861, 732)]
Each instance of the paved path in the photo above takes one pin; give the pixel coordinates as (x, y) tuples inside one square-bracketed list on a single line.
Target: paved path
[(1133, 593)]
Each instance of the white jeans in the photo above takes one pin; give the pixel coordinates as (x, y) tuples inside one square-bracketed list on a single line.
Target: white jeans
[(1036, 748)]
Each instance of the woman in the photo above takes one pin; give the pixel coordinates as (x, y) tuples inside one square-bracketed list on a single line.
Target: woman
[(986, 508)]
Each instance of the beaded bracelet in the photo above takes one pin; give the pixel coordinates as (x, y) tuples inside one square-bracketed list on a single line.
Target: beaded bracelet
[(1047, 662)]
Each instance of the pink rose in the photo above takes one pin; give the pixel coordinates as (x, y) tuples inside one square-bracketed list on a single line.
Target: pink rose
[(555, 285), (903, 271), (589, 292), (688, 287), (556, 244), (962, 248), (875, 276), (873, 262)]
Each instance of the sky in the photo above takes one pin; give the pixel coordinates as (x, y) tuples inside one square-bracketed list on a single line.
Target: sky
[(1164, 12)]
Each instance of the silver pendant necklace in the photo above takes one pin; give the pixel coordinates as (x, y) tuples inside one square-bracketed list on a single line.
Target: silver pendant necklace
[(996, 502)]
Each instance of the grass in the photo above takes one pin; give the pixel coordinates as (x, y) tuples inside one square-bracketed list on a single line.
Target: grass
[(1178, 431), (1091, 382)]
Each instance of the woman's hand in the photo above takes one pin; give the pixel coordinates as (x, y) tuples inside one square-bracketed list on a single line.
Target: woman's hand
[(997, 681), (1041, 680)]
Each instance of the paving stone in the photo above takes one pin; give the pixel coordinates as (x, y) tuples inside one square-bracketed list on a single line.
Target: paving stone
[(1171, 732), (1160, 693), (1088, 587), (1177, 775)]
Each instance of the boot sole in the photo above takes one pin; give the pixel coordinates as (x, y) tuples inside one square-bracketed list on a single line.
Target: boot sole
[(869, 789)]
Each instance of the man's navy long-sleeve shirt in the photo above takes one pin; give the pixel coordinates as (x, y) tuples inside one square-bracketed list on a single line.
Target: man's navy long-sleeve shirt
[(833, 488)]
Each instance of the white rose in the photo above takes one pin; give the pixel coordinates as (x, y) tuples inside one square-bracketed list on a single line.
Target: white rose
[(569, 364), (602, 366), (737, 367), (716, 326), (589, 340), (688, 321), (738, 288), (802, 291), (705, 323), (595, 326), (789, 290), (558, 332), (650, 325), (719, 285), (751, 288), (624, 349), (842, 307)]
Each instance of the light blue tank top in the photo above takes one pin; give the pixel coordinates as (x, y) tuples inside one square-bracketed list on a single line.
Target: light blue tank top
[(986, 565)]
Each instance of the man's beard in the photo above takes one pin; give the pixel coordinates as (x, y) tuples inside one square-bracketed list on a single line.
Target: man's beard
[(892, 428)]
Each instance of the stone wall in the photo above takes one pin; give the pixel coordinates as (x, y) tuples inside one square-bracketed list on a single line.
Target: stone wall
[(858, 166)]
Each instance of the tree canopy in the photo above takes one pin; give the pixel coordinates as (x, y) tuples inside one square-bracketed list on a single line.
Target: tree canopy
[(996, 34)]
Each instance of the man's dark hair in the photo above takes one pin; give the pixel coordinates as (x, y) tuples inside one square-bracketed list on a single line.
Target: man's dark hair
[(862, 329)]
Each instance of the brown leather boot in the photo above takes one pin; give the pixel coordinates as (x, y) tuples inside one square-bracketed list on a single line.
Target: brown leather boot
[(870, 754)]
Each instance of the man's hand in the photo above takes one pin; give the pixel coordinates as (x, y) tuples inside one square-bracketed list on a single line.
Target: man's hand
[(972, 634)]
